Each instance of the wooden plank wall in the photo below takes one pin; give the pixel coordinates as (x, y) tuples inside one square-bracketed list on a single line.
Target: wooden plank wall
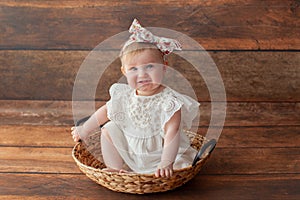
[(255, 45)]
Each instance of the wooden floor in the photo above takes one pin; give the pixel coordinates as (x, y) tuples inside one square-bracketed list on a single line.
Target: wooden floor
[(254, 158), (255, 45)]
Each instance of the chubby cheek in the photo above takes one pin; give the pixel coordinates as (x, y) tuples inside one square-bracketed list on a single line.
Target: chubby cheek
[(131, 80), (157, 77)]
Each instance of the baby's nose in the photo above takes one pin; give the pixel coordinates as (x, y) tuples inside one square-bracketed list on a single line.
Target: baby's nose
[(142, 72)]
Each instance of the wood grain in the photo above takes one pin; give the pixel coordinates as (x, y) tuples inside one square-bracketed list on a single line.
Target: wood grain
[(50, 75), (57, 186), (35, 136), (254, 44), (268, 137), (238, 137), (253, 161), (37, 160), (221, 25), (237, 113), (224, 160), (33, 149), (47, 149)]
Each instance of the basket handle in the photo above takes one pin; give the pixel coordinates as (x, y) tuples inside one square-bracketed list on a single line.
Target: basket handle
[(211, 144), (82, 120)]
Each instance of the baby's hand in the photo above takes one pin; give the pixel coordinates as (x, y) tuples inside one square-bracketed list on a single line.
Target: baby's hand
[(75, 134), (165, 169)]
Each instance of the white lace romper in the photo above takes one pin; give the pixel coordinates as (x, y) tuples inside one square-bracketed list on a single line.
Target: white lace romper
[(137, 122)]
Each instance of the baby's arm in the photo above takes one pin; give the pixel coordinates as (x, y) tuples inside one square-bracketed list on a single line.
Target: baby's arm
[(171, 145), (97, 119)]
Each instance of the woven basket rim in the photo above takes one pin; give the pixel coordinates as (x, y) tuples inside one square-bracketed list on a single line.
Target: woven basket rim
[(133, 173), (124, 173)]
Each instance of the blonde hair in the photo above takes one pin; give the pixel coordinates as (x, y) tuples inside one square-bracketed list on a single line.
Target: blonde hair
[(138, 47)]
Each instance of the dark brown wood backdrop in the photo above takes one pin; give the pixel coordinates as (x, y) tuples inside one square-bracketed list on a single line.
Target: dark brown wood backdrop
[(255, 45)]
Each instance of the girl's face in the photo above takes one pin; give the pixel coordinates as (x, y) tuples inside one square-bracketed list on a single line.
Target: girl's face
[(144, 71)]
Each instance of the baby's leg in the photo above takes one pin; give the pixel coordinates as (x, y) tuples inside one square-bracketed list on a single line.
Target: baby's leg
[(111, 156)]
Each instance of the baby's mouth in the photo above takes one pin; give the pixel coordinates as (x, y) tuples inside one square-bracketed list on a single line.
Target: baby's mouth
[(144, 81)]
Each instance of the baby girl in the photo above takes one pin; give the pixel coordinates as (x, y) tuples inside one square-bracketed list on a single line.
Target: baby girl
[(143, 121)]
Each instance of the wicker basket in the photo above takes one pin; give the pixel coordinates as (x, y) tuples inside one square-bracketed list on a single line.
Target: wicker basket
[(131, 182)]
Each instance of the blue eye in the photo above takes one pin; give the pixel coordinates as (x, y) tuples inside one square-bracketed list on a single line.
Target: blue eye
[(149, 66), (133, 69)]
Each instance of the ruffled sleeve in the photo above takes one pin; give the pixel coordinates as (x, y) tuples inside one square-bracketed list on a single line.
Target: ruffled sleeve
[(115, 106), (175, 101)]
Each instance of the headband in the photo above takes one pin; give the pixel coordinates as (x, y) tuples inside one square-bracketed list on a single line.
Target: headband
[(140, 34)]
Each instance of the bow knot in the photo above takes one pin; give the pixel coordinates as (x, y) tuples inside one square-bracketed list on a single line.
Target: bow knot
[(140, 34)]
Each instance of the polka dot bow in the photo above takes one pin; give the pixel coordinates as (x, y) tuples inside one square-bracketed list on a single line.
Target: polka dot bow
[(140, 34)]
